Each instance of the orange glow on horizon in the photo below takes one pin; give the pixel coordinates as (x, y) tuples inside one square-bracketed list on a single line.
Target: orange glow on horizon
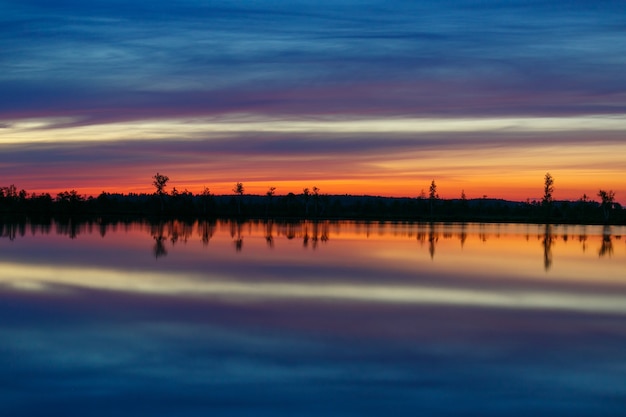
[(513, 189)]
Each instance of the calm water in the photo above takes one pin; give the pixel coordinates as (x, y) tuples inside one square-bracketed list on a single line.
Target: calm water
[(348, 319)]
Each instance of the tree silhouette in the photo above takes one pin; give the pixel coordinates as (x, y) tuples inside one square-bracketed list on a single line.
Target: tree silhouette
[(206, 199), (432, 191), (608, 198), (306, 194), (239, 189), (548, 189), (316, 198), (270, 195), (160, 182), (69, 201), (432, 195)]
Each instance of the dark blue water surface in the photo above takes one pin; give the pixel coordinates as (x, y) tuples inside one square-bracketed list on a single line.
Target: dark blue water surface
[(326, 319)]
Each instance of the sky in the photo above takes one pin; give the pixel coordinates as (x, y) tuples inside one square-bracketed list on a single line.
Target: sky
[(359, 97)]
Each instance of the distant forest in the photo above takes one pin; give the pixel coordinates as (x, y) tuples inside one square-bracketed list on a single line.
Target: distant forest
[(311, 204)]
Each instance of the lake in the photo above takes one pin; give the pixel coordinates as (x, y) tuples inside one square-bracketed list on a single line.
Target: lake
[(312, 319)]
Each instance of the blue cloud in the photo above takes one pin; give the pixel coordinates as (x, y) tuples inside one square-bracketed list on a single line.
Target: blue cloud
[(195, 58)]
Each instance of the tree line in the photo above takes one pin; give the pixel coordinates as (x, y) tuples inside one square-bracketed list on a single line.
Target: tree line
[(311, 203)]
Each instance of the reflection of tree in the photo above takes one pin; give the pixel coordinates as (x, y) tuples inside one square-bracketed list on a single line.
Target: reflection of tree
[(305, 234), (290, 233), (179, 230), (420, 235), (582, 238), (235, 232), (207, 231), (547, 247), (463, 234), (239, 244), (325, 232), (431, 235), (607, 244), (158, 234), (482, 235), (269, 233), (103, 228), (10, 231), (69, 227), (319, 233), (432, 239), (159, 246)]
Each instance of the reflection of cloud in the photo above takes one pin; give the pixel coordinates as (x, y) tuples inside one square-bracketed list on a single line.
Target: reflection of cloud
[(35, 278)]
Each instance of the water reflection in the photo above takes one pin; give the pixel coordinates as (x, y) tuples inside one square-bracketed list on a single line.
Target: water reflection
[(548, 241), (311, 318), (607, 243), (428, 235), (236, 235), (159, 246), (315, 232), (207, 229), (269, 233)]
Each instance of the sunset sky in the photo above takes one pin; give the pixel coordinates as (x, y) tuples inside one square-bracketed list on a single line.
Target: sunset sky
[(361, 97)]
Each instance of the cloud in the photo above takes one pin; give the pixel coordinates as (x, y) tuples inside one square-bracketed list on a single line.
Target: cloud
[(132, 61)]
